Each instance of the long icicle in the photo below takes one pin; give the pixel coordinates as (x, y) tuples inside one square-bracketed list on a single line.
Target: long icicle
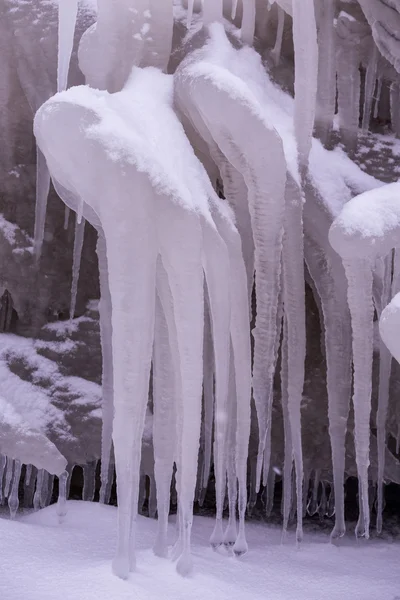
[(67, 15), (76, 265)]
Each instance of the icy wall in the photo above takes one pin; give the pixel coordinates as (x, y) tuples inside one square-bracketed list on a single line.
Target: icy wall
[(217, 174)]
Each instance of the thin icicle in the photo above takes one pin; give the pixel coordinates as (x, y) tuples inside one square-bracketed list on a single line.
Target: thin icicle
[(385, 363), (294, 307), (9, 475), (359, 276), (13, 500), (62, 497), (105, 309), (230, 534), (38, 491), (288, 446), (89, 481), (276, 52), (326, 93), (378, 97), (208, 394), (234, 9), (66, 217), (248, 21), (28, 474), (3, 463), (190, 13), (42, 193), (67, 15), (166, 388), (76, 265), (370, 83), (306, 76)]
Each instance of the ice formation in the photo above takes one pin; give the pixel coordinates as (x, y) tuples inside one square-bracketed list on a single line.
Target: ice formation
[(203, 303)]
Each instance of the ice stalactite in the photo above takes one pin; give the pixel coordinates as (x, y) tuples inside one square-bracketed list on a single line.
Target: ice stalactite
[(240, 345), (389, 324), (248, 21), (306, 76), (67, 15), (294, 309), (367, 227), (276, 52), (62, 497), (326, 92), (42, 194), (208, 396), (9, 475), (384, 19), (234, 9), (348, 57), (28, 474), (66, 217), (132, 114), (370, 84), (38, 490), (230, 534), (166, 389), (385, 363), (105, 310), (158, 44), (3, 464), (200, 97), (89, 481), (329, 278), (288, 446), (359, 277), (13, 500), (76, 264)]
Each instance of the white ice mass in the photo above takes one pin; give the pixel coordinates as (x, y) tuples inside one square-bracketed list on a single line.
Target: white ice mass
[(216, 148)]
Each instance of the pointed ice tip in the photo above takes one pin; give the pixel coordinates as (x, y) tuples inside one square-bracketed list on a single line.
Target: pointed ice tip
[(120, 567), (337, 533), (184, 566), (240, 547)]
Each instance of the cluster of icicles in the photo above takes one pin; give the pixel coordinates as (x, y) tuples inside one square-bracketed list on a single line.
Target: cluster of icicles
[(177, 264)]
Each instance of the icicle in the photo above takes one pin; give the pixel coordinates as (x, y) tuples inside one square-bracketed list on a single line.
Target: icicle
[(359, 276), (248, 21), (306, 76), (212, 11), (105, 310), (322, 507), (9, 474), (378, 97), (370, 83), (276, 52), (270, 492), (66, 217), (326, 92), (3, 463), (327, 271), (385, 362), (67, 15), (190, 13), (28, 474), (62, 497), (42, 193), (38, 491), (44, 489), (288, 446), (165, 390), (230, 534), (234, 9), (208, 393), (13, 500), (348, 82), (78, 245), (313, 503), (89, 481), (294, 307)]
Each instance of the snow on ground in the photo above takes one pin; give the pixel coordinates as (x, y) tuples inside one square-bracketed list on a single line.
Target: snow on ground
[(42, 560)]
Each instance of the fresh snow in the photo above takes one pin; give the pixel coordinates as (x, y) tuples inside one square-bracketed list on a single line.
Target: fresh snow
[(72, 561)]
